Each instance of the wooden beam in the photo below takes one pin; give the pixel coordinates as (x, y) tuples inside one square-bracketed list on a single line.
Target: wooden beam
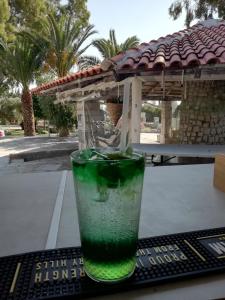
[(136, 110), (153, 88), (101, 86), (89, 88), (160, 98), (187, 77), (210, 69), (160, 95), (76, 82)]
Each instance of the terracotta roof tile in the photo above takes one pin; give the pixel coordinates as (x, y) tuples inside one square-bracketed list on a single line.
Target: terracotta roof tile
[(175, 59), (209, 57), (222, 58), (219, 50), (143, 63), (129, 63), (81, 74), (203, 43)]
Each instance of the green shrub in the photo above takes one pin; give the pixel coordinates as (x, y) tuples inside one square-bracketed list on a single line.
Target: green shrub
[(151, 112), (14, 132), (41, 131), (62, 116)]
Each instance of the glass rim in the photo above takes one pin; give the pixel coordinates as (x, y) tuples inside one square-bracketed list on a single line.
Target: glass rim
[(135, 156)]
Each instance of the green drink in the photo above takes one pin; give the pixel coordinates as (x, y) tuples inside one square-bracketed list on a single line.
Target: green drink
[(108, 190)]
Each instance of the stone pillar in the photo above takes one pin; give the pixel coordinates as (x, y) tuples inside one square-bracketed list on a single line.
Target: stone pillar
[(166, 119), (202, 114)]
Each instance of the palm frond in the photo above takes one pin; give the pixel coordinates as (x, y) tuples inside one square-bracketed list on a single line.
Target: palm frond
[(84, 36), (103, 47), (130, 42), (21, 61), (2, 45), (55, 32), (87, 61), (65, 40), (112, 37), (109, 48)]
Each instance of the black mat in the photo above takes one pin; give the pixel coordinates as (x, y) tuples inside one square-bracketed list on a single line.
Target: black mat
[(58, 274)]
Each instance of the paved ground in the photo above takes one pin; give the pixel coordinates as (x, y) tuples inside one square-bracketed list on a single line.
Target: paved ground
[(17, 146), (149, 138), (10, 146)]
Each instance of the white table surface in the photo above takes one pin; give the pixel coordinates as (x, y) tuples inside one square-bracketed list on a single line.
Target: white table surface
[(175, 199), (180, 150)]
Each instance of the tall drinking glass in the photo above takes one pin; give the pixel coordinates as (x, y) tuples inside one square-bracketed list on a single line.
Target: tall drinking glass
[(108, 187)]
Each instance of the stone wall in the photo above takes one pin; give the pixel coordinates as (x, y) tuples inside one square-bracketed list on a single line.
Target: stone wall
[(202, 114)]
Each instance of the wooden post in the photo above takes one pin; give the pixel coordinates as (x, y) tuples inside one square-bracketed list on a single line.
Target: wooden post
[(81, 125), (136, 110), (219, 172), (166, 118), (125, 139)]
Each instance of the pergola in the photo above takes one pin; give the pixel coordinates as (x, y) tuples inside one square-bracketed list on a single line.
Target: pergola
[(159, 70)]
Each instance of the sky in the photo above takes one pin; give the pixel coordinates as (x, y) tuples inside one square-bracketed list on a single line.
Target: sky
[(148, 19)]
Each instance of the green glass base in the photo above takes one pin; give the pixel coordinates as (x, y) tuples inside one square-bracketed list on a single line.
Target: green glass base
[(109, 272)]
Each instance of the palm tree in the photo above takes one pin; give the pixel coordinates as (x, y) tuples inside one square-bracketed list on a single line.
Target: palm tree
[(109, 48), (64, 40), (20, 62)]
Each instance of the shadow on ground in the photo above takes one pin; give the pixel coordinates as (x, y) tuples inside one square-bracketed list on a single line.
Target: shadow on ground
[(35, 154)]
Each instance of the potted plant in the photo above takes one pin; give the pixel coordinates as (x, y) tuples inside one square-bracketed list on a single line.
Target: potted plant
[(114, 108)]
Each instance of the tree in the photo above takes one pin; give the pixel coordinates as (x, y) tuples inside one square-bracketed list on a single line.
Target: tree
[(21, 57), (25, 13), (197, 9), (75, 8), (10, 109), (43, 77), (109, 48), (20, 62), (64, 40), (4, 17), (151, 112), (63, 117), (38, 112), (15, 14)]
